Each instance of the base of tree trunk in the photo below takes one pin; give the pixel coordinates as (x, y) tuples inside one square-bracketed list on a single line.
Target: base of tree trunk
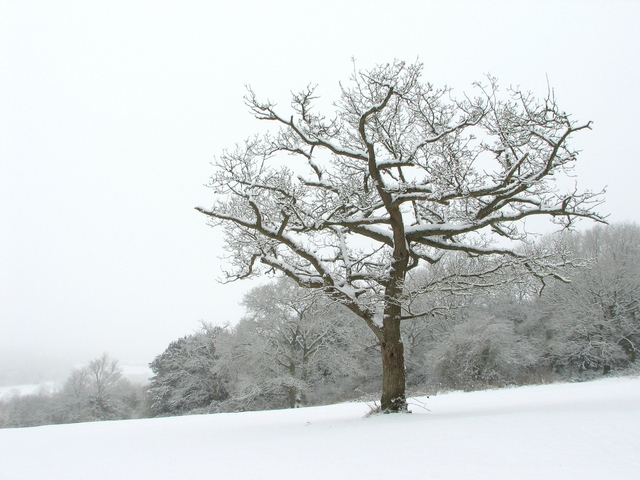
[(393, 379), (397, 405)]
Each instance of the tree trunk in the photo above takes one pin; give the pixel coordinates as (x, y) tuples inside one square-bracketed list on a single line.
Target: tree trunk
[(393, 378), (293, 391)]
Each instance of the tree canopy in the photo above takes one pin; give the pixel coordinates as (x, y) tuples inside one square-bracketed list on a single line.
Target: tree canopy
[(400, 175)]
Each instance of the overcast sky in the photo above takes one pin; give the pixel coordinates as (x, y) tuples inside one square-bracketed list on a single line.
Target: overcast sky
[(110, 113)]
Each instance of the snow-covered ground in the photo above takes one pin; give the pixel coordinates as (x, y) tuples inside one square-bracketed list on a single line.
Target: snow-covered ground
[(565, 431)]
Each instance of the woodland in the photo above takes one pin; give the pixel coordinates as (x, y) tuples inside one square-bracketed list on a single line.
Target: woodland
[(296, 348)]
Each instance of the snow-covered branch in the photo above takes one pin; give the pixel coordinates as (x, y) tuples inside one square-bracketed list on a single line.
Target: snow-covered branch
[(400, 176)]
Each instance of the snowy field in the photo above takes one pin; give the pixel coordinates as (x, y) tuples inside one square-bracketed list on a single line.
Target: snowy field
[(566, 431)]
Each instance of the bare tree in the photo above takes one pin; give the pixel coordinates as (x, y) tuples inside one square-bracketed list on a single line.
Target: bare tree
[(401, 175), (595, 319), (98, 391), (484, 350), (296, 335)]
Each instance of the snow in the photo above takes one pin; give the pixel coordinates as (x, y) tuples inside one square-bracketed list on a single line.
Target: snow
[(564, 431)]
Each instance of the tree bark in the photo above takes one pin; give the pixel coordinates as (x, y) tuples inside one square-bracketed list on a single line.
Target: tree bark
[(393, 377)]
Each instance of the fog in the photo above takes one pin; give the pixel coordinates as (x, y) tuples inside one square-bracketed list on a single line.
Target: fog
[(110, 114)]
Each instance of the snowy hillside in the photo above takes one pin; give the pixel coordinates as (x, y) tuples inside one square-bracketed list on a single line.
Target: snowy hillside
[(568, 431)]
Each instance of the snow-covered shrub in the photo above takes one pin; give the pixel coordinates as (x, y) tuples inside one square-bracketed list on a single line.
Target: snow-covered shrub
[(483, 351)]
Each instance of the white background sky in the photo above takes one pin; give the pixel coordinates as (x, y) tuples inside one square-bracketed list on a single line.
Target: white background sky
[(110, 113)]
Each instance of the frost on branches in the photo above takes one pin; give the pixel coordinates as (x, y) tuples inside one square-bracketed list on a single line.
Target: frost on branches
[(401, 175)]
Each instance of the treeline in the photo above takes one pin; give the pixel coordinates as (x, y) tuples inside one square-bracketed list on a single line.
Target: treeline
[(95, 392), (296, 348)]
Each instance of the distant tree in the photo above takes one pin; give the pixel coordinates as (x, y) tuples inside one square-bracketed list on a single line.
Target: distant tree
[(74, 404), (484, 350), (103, 375), (94, 392), (594, 321), (26, 410), (98, 392), (188, 375), (401, 175), (441, 307), (290, 340)]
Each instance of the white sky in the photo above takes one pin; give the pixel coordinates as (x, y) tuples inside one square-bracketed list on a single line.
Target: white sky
[(110, 113)]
